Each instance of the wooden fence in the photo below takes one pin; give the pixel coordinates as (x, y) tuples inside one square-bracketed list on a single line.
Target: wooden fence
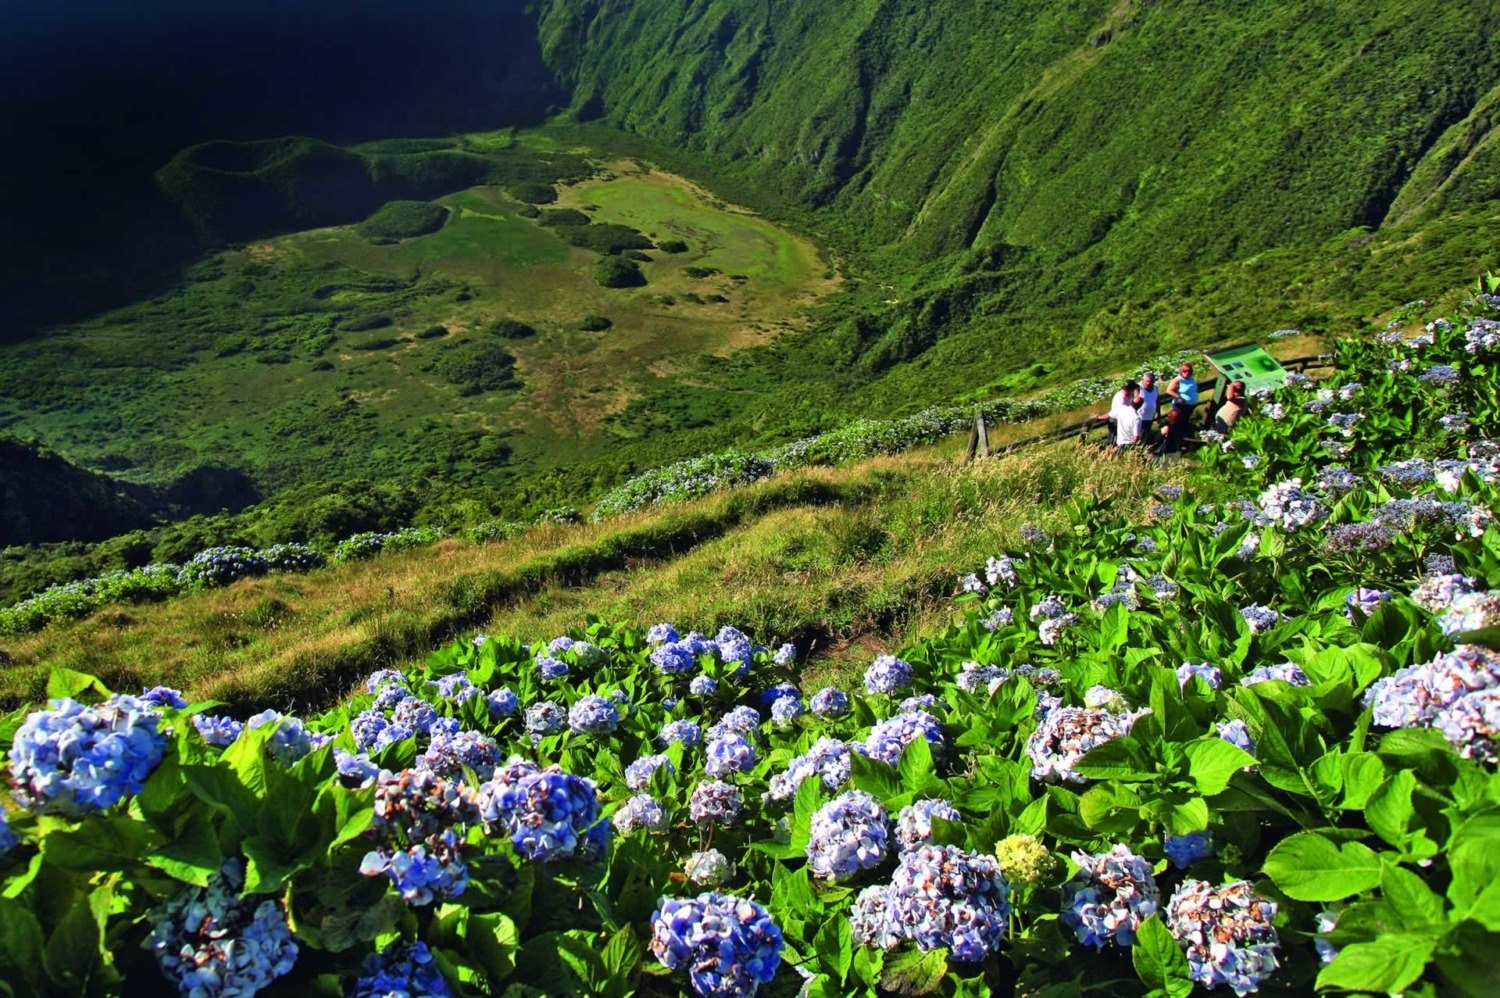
[(979, 436)]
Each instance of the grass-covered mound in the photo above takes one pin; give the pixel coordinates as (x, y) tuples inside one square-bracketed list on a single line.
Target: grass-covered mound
[(404, 220), (1240, 742)]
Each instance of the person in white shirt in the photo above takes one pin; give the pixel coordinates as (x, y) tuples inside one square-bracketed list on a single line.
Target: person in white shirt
[(1147, 411), (1124, 415)]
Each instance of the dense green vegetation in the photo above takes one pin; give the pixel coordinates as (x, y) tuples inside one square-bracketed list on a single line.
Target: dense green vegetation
[(403, 220)]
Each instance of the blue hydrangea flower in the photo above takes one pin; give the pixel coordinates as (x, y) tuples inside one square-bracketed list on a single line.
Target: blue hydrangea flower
[(1365, 601), (390, 695), (587, 656), (1260, 618), (1185, 850), (502, 702), (709, 868), (785, 655), (545, 717), (830, 702), (419, 715), (741, 720), (1416, 695), (1285, 672), (829, 760), (887, 674), (291, 740), (355, 770), (687, 732), (940, 897), (1109, 897), (1066, 735), (888, 739), (729, 753), (1187, 671), (163, 696), (74, 760), (1228, 932), (217, 730), (1471, 724), (455, 687), (673, 659), (734, 646), (786, 710), (550, 669), (381, 678), (1235, 733), (559, 645), (420, 819), (924, 701), (848, 834), (480, 639), (401, 970), (661, 634), (211, 941), (593, 715), (549, 814), (450, 754), (703, 686), (697, 644), (715, 803), (638, 774), (640, 812), (774, 693), (728, 945), (914, 822), (8, 839)]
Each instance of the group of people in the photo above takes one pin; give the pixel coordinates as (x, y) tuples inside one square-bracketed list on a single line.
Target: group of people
[(1136, 407)]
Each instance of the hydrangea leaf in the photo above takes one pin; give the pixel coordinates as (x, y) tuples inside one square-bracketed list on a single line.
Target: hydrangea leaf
[(1310, 867), (912, 972), (1390, 964), (1212, 763), (1159, 961)]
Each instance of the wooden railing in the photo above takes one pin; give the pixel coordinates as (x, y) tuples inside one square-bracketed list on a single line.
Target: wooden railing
[(979, 442)]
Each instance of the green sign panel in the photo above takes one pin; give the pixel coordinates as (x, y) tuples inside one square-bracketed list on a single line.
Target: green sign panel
[(1248, 363)]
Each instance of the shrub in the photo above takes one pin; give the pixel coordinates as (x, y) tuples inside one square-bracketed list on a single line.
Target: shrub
[(364, 323), (618, 272), (534, 193), (323, 365), (636, 255), (605, 238), (432, 332), (376, 343), (512, 329), (478, 367), (595, 323), (403, 220), (529, 211), (672, 246), (700, 272), (554, 217)]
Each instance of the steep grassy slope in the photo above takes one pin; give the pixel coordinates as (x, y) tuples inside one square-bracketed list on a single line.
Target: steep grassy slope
[(840, 559)]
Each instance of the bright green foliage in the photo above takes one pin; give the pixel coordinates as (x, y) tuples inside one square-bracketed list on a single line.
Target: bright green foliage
[(618, 272), (479, 367)]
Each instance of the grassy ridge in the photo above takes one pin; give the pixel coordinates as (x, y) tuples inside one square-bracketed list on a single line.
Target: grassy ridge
[(837, 558)]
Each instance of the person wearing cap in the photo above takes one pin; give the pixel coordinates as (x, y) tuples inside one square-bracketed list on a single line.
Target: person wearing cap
[(1235, 405)]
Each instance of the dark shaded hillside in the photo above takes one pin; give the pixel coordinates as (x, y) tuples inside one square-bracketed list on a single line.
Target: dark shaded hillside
[(43, 498), (1128, 143)]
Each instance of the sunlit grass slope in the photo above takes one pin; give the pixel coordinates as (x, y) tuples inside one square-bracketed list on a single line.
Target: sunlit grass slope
[(842, 560)]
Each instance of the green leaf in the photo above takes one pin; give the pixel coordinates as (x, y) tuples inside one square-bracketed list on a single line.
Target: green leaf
[(1475, 890), (1309, 867), (1390, 812), (1410, 898), (622, 961), (1363, 775), (1110, 806), (875, 778), (1159, 961), (835, 948), (72, 953), (1212, 762), (912, 972), (916, 767), (192, 855), (115, 843), (1390, 964), (21, 944), (1117, 759), (69, 683)]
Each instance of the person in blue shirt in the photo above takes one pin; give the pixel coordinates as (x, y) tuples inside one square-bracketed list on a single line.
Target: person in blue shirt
[(1183, 391)]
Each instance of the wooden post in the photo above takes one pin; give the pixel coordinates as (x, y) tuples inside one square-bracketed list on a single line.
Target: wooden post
[(979, 438)]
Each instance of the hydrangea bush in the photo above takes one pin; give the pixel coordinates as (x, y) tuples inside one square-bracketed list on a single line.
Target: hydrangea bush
[(1258, 754)]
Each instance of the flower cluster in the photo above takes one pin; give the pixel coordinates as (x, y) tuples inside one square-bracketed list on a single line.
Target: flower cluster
[(1109, 897), (914, 822), (828, 759), (729, 753), (715, 802), (1456, 693), (830, 702), (211, 941), (549, 814), (709, 868), (640, 811), (593, 715), (940, 897), (419, 824), (889, 738), (1067, 734), (74, 760), (405, 969), (728, 945), (1185, 850), (1228, 933), (848, 834), (1024, 860), (887, 675)]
